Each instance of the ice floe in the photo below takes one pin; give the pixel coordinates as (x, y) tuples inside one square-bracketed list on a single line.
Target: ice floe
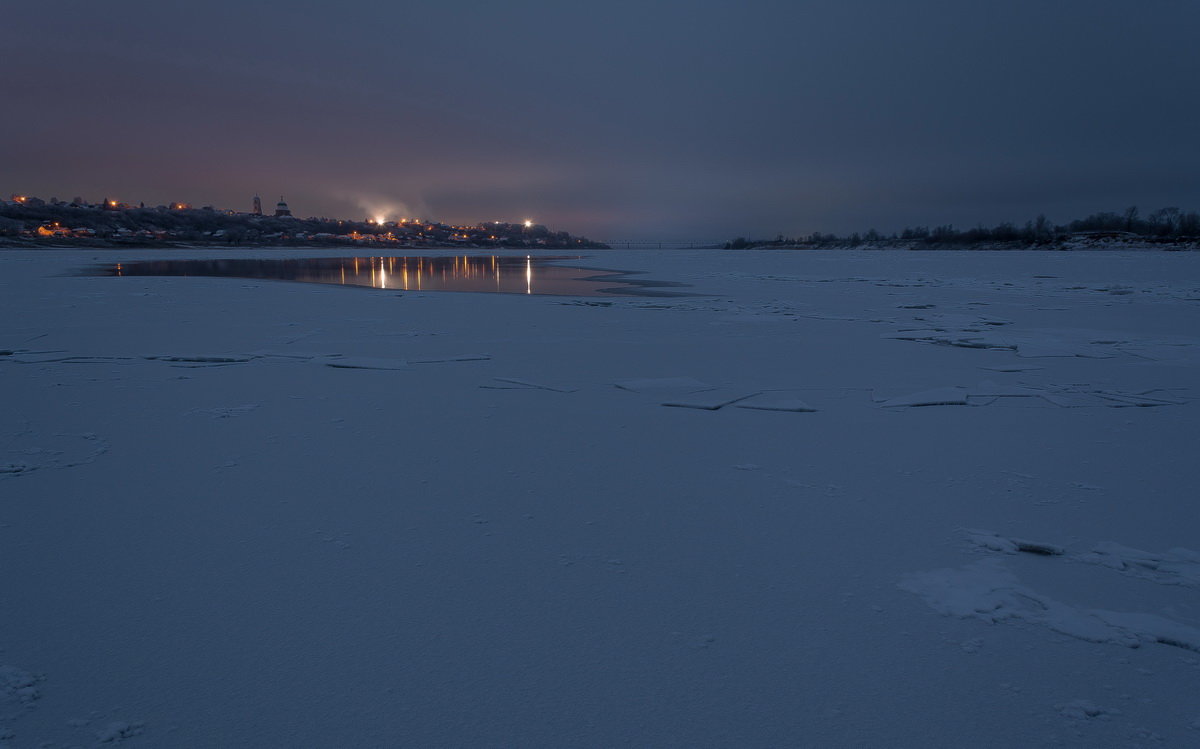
[(1010, 545), (987, 590), (202, 358), (776, 400), (709, 400), (660, 385), (1175, 566), (453, 358), (365, 362), (946, 396), (512, 383), (1171, 567)]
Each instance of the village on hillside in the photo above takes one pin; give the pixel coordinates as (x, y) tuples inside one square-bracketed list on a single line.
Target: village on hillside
[(29, 221)]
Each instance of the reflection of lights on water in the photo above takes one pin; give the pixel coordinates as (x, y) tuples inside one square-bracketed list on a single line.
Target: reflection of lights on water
[(448, 273)]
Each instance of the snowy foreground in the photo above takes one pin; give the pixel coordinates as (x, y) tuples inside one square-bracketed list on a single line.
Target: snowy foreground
[(950, 501)]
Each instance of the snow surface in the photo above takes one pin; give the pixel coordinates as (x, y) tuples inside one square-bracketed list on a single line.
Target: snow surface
[(931, 499)]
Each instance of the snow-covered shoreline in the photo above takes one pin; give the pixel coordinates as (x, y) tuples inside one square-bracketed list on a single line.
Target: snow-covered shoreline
[(241, 513)]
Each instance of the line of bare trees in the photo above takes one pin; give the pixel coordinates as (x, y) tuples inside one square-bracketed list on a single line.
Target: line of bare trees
[(1166, 225)]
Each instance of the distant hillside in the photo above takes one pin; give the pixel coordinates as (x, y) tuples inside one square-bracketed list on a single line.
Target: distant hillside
[(30, 222)]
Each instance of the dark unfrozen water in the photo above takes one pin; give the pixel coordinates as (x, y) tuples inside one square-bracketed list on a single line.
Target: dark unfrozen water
[(482, 273)]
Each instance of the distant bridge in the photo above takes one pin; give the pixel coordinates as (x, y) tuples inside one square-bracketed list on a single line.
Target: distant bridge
[(665, 244)]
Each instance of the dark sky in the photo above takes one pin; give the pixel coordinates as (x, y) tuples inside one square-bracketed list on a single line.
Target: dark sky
[(671, 119)]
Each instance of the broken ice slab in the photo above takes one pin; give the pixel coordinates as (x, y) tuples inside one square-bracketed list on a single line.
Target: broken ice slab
[(777, 400), (1180, 353), (298, 355), (1176, 566), (39, 357), (1012, 545), (1050, 349), (202, 358), (1037, 547), (1012, 368), (947, 396), (1137, 399), (710, 400), (975, 341), (1074, 400), (987, 388), (366, 362), (1069, 398), (510, 383), (454, 358), (914, 334), (67, 359), (987, 590), (1174, 396), (663, 384)]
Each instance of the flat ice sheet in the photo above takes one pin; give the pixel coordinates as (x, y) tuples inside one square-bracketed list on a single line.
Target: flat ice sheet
[(239, 546)]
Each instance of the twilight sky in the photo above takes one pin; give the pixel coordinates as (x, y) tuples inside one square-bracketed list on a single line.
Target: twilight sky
[(663, 119)]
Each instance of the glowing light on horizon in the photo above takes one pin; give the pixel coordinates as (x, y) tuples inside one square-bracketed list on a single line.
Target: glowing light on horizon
[(528, 224)]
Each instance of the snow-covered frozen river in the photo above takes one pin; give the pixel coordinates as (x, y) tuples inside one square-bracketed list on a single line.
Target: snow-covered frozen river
[(829, 499)]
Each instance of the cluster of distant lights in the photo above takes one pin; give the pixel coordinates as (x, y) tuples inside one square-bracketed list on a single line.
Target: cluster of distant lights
[(381, 220), (108, 201), (377, 220)]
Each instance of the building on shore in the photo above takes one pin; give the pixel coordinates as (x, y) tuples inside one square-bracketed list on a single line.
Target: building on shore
[(281, 209)]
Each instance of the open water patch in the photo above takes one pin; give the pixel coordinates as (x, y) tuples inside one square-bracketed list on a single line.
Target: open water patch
[(497, 274)]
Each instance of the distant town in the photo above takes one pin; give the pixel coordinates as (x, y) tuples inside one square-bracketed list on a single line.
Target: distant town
[(30, 221)]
